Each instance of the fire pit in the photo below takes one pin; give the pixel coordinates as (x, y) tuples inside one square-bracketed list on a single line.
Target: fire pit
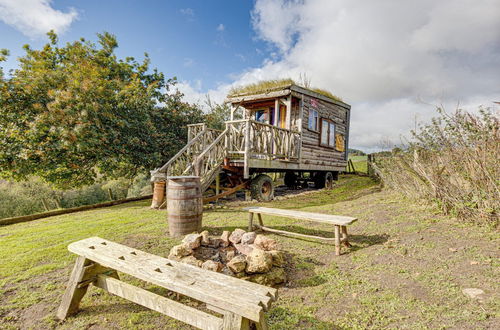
[(245, 255)]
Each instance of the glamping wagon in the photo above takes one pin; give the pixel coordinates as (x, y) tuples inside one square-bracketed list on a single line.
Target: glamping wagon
[(288, 129)]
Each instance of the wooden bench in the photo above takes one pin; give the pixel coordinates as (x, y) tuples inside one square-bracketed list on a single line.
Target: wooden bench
[(340, 223), (238, 302)]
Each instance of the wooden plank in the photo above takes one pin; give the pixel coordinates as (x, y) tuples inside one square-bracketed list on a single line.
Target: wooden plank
[(281, 165), (318, 217), (225, 193), (158, 303), (74, 294), (289, 233), (263, 96), (213, 288)]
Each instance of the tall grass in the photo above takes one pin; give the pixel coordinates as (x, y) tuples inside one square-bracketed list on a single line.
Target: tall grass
[(453, 161)]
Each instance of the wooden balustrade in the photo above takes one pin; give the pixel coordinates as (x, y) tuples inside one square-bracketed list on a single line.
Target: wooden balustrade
[(265, 141), (208, 163), (182, 162)]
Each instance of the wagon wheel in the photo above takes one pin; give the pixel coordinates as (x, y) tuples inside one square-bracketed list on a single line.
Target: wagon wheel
[(324, 180), (329, 182), (262, 188)]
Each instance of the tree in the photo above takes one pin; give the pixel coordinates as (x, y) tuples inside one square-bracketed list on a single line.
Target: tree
[(75, 114)]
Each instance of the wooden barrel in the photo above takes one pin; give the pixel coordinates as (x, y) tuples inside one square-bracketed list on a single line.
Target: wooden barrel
[(184, 205), (158, 194)]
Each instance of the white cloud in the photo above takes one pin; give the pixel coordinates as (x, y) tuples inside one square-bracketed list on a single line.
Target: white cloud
[(221, 28), (34, 18), (188, 13), (391, 60)]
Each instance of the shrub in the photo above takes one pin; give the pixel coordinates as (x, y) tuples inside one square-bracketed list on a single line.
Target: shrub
[(453, 161)]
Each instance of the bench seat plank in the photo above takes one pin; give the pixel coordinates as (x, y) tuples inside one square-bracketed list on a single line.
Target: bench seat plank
[(317, 217), (177, 277)]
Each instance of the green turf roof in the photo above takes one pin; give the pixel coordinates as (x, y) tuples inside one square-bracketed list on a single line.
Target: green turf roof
[(266, 86)]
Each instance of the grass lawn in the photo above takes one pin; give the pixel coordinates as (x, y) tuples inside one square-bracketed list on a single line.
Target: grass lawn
[(406, 269), (359, 163)]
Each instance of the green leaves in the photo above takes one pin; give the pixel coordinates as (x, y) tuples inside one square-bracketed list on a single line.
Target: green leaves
[(76, 114)]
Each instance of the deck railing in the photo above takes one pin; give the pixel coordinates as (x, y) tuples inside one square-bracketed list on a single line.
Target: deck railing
[(261, 141), (182, 162)]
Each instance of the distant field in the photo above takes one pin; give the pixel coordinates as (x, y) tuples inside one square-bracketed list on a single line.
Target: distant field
[(359, 163)]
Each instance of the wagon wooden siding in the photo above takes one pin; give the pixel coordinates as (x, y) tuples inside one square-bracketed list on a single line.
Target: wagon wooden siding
[(312, 152)]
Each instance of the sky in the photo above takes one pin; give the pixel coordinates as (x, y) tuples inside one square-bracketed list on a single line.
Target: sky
[(393, 61)]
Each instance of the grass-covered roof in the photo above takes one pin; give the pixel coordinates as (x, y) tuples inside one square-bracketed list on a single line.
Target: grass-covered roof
[(266, 86)]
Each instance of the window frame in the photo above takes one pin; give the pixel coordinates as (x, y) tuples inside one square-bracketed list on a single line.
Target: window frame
[(318, 129), (328, 135)]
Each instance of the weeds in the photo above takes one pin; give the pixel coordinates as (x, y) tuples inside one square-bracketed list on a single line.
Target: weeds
[(455, 162)]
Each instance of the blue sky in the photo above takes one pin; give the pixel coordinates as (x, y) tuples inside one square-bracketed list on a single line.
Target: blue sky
[(393, 61), (197, 41)]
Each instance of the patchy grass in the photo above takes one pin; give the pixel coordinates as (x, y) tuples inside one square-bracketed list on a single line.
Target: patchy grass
[(406, 269)]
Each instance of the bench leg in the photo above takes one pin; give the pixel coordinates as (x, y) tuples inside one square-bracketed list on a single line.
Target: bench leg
[(345, 239), (262, 325), (233, 321), (260, 219), (337, 240), (74, 292), (250, 221)]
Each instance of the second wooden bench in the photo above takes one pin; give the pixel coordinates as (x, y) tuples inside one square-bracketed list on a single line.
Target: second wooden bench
[(339, 222)]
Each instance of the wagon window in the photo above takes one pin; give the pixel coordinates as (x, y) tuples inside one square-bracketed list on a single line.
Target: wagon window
[(331, 135), (324, 132), (313, 120), (261, 116), (327, 133)]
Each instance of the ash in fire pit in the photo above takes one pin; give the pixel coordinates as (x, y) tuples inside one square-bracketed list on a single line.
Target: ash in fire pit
[(241, 254)]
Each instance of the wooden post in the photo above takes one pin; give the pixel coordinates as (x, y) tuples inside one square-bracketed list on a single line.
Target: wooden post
[(248, 196), (300, 123), (250, 221), (246, 169), (217, 184), (74, 292), (259, 216), (345, 239), (337, 240), (288, 105), (233, 321)]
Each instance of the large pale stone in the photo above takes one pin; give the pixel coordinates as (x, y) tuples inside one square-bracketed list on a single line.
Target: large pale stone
[(227, 253), (237, 264), (244, 248), (277, 275), (473, 293), (278, 257), (192, 240), (191, 260), (225, 238), (265, 243), (204, 238), (212, 265), (248, 238), (179, 251), (235, 237), (258, 261)]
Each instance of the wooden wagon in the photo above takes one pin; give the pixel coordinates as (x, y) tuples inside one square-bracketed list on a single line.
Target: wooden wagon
[(292, 130)]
